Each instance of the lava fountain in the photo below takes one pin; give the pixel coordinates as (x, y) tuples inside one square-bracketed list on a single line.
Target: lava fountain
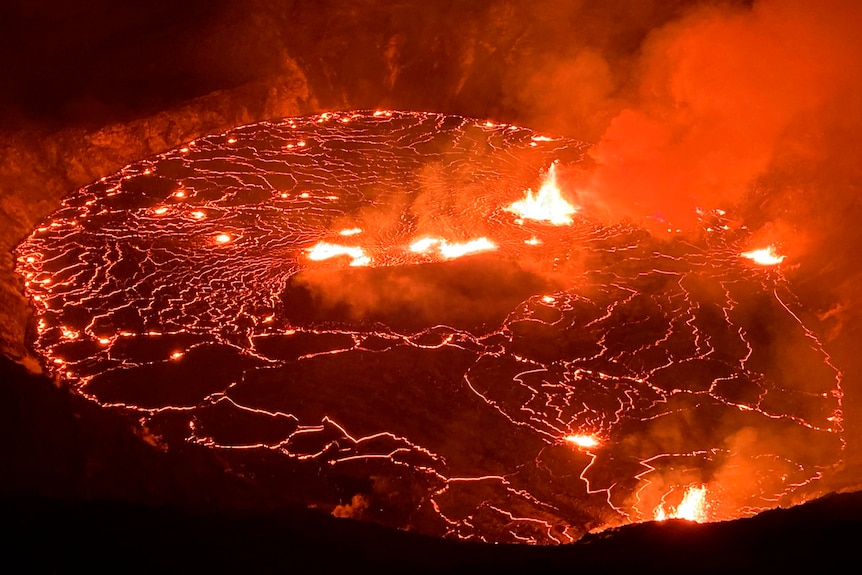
[(373, 312)]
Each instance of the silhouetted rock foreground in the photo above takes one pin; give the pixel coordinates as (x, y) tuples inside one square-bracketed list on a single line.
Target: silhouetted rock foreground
[(80, 490), (58, 535)]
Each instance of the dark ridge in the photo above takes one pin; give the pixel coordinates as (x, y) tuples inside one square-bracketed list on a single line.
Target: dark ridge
[(118, 535), (63, 447), (473, 293), (99, 61)]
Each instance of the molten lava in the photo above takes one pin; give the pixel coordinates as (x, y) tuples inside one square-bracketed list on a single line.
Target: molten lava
[(693, 507), (556, 382), (453, 250), (548, 205), (424, 245), (324, 251), (456, 250), (764, 256), (584, 441)]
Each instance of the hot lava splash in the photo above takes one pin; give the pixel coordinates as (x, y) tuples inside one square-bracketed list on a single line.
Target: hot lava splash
[(371, 311)]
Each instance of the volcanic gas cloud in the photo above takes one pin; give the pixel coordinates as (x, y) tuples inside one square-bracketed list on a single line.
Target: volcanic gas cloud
[(414, 313)]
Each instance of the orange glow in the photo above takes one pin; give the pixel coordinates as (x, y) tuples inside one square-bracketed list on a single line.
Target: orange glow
[(693, 507), (179, 194), (764, 256), (324, 251), (69, 333), (423, 245), (581, 440), (548, 205), (452, 250), (599, 354)]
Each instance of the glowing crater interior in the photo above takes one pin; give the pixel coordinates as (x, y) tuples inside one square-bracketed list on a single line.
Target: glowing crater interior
[(561, 378)]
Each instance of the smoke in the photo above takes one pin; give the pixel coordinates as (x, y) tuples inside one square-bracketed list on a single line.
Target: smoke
[(473, 293), (752, 109), (354, 510), (722, 96)]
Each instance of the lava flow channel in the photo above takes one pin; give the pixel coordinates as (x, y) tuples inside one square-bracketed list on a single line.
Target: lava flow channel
[(360, 307)]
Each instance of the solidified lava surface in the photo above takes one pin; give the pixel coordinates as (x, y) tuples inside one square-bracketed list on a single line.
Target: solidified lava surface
[(562, 379)]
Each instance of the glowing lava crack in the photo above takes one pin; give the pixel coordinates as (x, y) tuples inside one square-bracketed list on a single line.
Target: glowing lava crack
[(373, 312)]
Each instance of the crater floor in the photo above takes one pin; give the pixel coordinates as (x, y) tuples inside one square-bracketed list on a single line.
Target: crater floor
[(264, 292)]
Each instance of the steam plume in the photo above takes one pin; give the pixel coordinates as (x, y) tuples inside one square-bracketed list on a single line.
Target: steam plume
[(724, 96)]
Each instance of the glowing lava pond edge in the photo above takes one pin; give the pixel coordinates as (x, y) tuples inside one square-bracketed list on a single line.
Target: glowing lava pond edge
[(406, 318)]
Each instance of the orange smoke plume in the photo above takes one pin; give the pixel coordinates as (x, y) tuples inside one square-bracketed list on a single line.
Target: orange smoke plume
[(723, 92)]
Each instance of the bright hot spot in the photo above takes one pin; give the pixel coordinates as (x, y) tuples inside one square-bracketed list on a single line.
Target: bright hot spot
[(547, 205), (693, 507), (764, 256), (324, 251), (581, 440)]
